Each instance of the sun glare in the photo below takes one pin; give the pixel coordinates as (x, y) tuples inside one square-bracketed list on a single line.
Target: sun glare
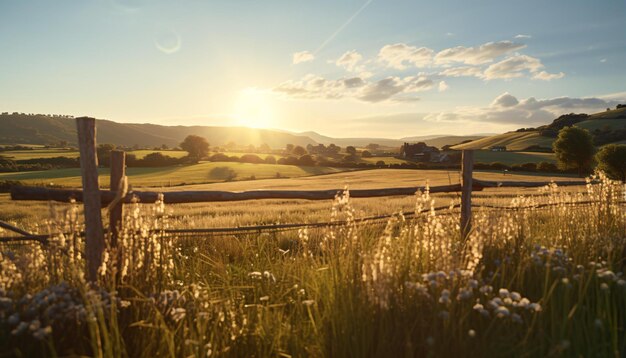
[(253, 109)]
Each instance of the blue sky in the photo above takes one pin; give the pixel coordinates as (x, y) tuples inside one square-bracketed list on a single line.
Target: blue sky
[(345, 67)]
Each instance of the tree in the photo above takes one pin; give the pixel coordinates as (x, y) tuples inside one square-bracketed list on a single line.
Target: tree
[(574, 149), (196, 146), (299, 151), (265, 148), (289, 148), (372, 146), (366, 154), (612, 160), (351, 150)]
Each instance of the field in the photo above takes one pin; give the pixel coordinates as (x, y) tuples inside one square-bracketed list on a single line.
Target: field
[(511, 158), (56, 152), (526, 282), (512, 141), (171, 176), (31, 214)]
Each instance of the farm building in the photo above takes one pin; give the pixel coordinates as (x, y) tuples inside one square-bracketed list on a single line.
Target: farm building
[(419, 152)]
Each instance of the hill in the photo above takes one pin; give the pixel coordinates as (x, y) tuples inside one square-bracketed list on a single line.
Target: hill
[(606, 127), (39, 129), (42, 129)]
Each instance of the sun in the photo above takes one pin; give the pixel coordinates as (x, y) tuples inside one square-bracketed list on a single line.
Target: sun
[(253, 109)]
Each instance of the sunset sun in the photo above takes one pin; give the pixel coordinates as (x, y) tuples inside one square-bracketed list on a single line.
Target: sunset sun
[(253, 109)]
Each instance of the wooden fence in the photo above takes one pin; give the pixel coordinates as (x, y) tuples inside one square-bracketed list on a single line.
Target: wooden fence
[(94, 199)]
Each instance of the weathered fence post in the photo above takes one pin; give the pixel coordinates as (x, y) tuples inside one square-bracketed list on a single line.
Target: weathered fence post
[(467, 167), (94, 234), (118, 171)]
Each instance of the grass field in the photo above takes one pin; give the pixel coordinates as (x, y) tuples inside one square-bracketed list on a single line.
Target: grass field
[(205, 172), (526, 282), (55, 152), (594, 124), (512, 141), (510, 158), (31, 214)]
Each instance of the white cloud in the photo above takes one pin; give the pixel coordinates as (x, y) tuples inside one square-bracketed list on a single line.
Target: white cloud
[(603, 60), (512, 67), (505, 100), (462, 71), (545, 76), (349, 60), (387, 89), (507, 109), (302, 56), (443, 86), (484, 53), (521, 36), (400, 55)]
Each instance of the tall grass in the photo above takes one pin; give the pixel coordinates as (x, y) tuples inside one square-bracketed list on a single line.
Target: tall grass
[(526, 282)]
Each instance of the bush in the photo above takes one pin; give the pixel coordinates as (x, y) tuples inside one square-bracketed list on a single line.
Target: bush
[(546, 167), (219, 157), (224, 173), (270, 159), (612, 160), (306, 160), (251, 158)]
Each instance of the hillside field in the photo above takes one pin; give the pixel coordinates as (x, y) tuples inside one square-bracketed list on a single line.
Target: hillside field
[(204, 172)]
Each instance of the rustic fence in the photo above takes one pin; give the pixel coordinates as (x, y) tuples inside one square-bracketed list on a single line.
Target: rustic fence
[(94, 199)]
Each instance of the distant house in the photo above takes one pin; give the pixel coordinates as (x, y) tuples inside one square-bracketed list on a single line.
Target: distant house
[(419, 152), (498, 148)]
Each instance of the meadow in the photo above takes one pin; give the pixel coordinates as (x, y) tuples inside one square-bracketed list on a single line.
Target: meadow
[(526, 282), (204, 172)]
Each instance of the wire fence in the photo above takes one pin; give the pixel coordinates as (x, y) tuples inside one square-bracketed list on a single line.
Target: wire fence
[(277, 228)]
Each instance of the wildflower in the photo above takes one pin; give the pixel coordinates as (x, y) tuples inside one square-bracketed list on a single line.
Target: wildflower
[(604, 286), (502, 312), (534, 307), (621, 283), (517, 318), (471, 333), (124, 303), (41, 333), (264, 298), (21, 328), (255, 275), (464, 294), (268, 275), (308, 302), (487, 289), (178, 313), (516, 296), (13, 319)]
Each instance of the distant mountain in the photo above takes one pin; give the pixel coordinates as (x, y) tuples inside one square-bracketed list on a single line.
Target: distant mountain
[(41, 129), (606, 127)]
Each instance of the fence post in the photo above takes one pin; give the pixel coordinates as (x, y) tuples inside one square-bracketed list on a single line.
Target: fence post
[(94, 234), (467, 167), (118, 171)]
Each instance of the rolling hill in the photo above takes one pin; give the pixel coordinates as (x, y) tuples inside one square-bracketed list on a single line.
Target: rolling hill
[(49, 130), (606, 127), (42, 129)]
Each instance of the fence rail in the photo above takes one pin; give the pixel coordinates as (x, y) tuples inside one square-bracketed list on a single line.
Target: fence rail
[(216, 231), (178, 197)]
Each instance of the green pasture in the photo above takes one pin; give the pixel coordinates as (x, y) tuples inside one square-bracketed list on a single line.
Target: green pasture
[(511, 158), (205, 172)]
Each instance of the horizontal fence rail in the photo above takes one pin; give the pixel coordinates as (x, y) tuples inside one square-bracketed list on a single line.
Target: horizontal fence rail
[(217, 231), (178, 197)]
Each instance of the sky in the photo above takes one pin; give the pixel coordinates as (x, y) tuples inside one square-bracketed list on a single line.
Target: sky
[(344, 68)]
